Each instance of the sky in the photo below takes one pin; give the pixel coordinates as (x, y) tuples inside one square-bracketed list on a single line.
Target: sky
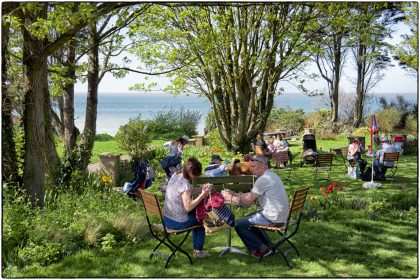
[(396, 79)]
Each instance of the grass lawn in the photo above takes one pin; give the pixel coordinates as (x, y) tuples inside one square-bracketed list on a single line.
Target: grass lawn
[(371, 233)]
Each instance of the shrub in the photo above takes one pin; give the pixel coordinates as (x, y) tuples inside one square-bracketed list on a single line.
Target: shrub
[(411, 124), (287, 119), (134, 136), (388, 119), (44, 254), (213, 139), (103, 137), (361, 131), (174, 123)]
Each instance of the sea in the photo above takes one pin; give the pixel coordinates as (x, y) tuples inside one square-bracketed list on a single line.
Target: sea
[(116, 109)]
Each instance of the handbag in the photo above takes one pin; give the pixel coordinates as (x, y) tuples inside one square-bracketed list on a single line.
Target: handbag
[(213, 223), (353, 172)]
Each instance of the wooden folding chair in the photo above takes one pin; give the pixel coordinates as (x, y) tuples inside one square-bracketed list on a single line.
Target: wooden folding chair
[(392, 157), (159, 231), (323, 163), (292, 224), (279, 158)]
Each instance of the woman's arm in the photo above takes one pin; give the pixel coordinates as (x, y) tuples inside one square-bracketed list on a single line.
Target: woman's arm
[(189, 203)]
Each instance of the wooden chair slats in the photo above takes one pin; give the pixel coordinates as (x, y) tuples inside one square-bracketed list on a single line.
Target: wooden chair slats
[(392, 157), (242, 183), (323, 163), (152, 207)]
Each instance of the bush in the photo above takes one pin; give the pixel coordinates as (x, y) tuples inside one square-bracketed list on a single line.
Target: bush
[(361, 131), (134, 136), (173, 124), (388, 119), (321, 121), (213, 139), (411, 124), (286, 119), (103, 137)]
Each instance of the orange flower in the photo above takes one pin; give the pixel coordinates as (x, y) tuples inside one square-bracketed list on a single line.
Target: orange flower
[(325, 193), (322, 189), (312, 197)]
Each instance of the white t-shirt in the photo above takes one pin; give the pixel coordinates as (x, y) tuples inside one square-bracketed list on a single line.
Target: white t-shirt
[(272, 197), (386, 148), (173, 149), (173, 207), (215, 170)]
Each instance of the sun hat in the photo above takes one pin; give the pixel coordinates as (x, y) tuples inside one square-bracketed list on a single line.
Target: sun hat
[(185, 138), (260, 158), (216, 156)]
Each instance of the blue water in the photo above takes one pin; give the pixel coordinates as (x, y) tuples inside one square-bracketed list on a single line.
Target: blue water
[(116, 109)]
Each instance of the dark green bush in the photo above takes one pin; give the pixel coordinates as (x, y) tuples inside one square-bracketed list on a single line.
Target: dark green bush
[(174, 123), (103, 137), (134, 136), (286, 119)]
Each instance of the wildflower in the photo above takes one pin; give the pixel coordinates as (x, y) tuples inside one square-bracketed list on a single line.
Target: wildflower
[(312, 197), (216, 150), (106, 180)]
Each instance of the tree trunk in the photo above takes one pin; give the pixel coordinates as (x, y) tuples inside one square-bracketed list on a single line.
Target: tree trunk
[(57, 124), (34, 121), (89, 132), (360, 87), (9, 166), (68, 120)]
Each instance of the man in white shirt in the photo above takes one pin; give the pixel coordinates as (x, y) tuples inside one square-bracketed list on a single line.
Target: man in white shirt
[(379, 165), (271, 195)]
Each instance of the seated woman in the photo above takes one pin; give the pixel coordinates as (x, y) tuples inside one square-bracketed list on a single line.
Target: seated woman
[(179, 203), (282, 146), (354, 154)]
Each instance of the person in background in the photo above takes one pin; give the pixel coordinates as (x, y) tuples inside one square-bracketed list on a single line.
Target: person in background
[(260, 144), (179, 203), (270, 147), (379, 166), (355, 151), (216, 168), (282, 146), (271, 195), (176, 147)]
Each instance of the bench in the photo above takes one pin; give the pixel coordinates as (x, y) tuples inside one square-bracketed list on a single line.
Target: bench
[(242, 183)]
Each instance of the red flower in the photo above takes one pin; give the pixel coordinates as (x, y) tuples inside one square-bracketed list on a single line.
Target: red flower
[(335, 184), (330, 188), (322, 189), (325, 193), (341, 188)]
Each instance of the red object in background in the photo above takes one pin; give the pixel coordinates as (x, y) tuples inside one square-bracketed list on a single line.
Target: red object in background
[(398, 138)]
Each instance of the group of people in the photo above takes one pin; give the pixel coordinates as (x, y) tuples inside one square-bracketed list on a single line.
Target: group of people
[(356, 149), (181, 199), (275, 145)]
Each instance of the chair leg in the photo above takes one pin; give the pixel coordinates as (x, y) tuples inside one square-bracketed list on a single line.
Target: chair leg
[(161, 241), (178, 248)]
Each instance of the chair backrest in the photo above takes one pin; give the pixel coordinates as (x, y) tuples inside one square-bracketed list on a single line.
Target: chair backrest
[(242, 183), (324, 159), (296, 207), (344, 151), (391, 156), (280, 156), (151, 204)]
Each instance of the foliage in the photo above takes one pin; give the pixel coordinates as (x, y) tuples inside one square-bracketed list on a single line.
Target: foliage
[(321, 121), (262, 53), (210, 121), (411, 124), (213, 139), (361, 131), (403, 106), (407, 51), (102, 137), (286, 119), (134, 136), (174, 123), (388, 119)]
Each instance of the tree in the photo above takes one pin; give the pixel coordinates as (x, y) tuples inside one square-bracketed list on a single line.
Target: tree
[(35, 20), (370, 28), (331, 57), (234, 54), (407, 50)]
